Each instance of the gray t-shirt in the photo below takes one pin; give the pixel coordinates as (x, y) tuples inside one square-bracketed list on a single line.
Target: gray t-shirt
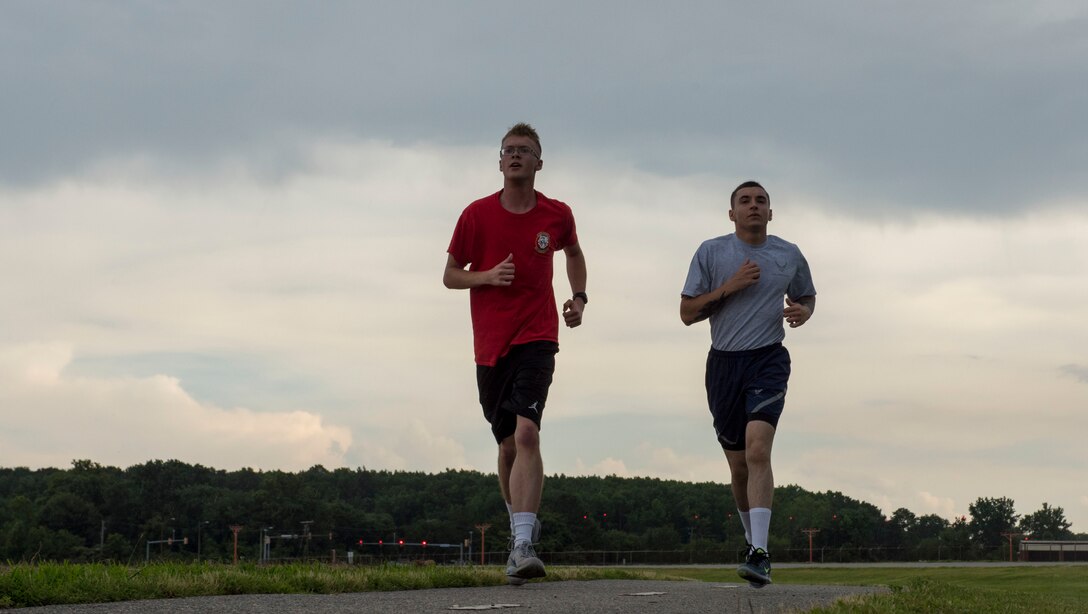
[(751, 318)]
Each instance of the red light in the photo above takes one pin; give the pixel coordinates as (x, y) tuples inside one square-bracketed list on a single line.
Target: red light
[(380, 542), (424, 542), (400, 542), (360, 542), (605, 514)]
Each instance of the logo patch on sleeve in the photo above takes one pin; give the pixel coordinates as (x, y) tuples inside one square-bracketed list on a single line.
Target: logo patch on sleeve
[(543, 242)]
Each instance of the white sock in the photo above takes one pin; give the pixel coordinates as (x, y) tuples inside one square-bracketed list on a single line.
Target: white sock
[(761, 526), (510, 511), (746, 520), (523, 526)]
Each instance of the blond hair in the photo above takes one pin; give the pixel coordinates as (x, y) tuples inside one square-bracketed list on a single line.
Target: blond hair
[(523, 129)]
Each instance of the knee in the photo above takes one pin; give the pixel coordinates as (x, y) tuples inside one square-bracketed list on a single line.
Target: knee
[(758, 454), (738, 472), (508, 450), (527, 437)]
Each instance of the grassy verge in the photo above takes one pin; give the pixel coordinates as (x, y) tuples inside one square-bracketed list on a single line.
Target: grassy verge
[(59, 583), (991, 590)]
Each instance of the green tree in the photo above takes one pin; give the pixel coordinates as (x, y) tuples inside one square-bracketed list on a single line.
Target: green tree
[(929, 526), (661, 538), (69, 512), (60, 514), (1047, 523), (990, 518), (901, 526), (955, 540)]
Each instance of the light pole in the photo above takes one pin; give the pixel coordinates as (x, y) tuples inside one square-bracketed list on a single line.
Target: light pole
[(199, 531), (235, 528), (1010, 536), (306, 537), (266, 547), (483, 531), (810, 533)]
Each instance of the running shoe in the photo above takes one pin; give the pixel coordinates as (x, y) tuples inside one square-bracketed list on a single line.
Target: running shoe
[(757, 569), (523, 565)]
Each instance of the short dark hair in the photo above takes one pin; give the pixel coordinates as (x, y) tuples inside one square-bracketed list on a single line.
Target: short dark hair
[(747, 184), (523, 129)]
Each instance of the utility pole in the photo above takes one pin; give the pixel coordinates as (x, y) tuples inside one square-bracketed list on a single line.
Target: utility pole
[(235, 528), (266, 544), (483, 531), (199, 535), (1011, 536), (810, 533), (306, 538)]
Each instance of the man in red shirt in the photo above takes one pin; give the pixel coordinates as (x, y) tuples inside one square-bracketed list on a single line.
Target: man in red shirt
[(508, 241)]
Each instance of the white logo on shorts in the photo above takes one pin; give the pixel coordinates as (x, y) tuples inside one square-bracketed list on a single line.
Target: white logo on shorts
[(533, 407)]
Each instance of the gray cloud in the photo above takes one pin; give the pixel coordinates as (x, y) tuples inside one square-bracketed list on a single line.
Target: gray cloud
[(971, 108), (308, 302), (1079, 372)]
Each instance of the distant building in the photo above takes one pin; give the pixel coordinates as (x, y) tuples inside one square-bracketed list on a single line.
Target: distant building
[(1053, 550)]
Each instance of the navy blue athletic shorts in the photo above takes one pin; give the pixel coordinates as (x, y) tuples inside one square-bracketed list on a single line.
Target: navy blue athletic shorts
[(745, 386), (516, 386)]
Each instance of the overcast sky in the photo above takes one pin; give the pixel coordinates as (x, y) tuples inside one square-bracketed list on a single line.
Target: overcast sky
[(223, 226)]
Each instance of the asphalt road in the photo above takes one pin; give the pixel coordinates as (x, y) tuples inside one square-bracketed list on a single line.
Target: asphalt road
[(570, 597)]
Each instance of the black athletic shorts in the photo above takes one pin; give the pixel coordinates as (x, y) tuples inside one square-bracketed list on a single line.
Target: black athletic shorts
[(516, 386), (745, 386)]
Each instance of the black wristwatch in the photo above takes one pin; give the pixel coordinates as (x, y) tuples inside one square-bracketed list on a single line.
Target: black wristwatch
[(583, 296)]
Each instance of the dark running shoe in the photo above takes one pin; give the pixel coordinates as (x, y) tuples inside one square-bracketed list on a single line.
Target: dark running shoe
[(757, 569), (748, 550)]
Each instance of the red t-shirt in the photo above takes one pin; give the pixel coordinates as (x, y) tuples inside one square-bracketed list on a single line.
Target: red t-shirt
[(524, 311)]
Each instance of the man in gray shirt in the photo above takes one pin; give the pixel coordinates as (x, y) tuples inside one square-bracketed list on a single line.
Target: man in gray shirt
[(739, 281)]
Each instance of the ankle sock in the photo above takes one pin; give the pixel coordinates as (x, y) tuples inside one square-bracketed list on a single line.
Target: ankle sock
[(523, 526), (761, 526)]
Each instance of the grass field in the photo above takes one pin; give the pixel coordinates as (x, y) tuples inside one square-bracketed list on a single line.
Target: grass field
[(25, 585), (991, 590)]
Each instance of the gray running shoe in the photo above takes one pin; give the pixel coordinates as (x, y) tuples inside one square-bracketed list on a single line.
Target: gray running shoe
[(757, 569), (523, 565)]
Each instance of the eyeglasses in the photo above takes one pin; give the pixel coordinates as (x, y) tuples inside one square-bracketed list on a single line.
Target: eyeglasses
[(520, 150)]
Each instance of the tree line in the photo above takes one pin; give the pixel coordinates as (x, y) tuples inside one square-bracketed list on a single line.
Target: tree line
[(171, 509)]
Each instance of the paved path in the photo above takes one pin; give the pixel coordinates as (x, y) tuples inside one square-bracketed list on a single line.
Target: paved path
[(570, 597)]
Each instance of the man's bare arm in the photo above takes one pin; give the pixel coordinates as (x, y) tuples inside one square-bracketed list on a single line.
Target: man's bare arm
[(576, 275), (455, 277), (698, 308), (797, 312)]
